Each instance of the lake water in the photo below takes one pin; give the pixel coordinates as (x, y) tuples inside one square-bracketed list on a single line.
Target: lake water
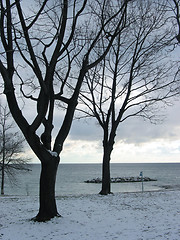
[(71, 177)]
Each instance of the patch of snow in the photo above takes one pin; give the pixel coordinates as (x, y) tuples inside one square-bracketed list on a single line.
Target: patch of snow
[(54, 154), (122, 216)]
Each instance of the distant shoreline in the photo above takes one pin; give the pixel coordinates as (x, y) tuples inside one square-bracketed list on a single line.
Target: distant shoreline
[(59, 197)]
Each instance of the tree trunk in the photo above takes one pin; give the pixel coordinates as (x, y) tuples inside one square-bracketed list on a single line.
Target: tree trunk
[(106, 179), (48, 208), (2, 180), (3, 163)]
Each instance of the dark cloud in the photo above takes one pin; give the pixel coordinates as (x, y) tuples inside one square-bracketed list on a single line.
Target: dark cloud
[(87, 130), (134, 130)]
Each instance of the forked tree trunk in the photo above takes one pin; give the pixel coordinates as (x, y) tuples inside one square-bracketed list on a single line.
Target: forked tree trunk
[(106, 179), (48, 208)]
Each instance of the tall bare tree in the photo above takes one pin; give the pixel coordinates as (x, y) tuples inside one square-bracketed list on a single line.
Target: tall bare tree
[(135, 78), (174, 6), (11, 146), (47, 47)]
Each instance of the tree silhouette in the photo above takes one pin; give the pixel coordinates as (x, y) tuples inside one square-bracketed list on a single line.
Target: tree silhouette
[(11, 146), (135, 79), (47, 49)]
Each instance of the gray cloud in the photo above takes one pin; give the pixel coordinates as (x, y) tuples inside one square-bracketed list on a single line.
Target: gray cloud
[(87, 130), (134, 130)]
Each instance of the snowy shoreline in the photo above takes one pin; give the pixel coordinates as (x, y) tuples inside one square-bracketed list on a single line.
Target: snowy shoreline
[(122, 216), (164, 188)]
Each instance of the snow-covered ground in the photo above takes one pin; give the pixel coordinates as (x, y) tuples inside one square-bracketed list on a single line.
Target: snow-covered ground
[(122, 216)]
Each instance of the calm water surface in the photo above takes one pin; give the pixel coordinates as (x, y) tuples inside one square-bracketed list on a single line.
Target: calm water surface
[(71, 177)]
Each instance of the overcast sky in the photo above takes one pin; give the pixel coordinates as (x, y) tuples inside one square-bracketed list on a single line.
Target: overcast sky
[(137, 141)]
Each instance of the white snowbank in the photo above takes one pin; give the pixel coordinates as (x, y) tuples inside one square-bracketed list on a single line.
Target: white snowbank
[(123, 216)]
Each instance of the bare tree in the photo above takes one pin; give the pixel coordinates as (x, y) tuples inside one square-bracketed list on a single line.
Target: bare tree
[(11, 146), (48, 47), (174, 6), (135, 78)]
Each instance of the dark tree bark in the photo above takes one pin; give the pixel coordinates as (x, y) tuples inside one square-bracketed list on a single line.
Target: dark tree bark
[(176, 12), (106, 177), (48, 208), (2, 176), (108, 144)]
